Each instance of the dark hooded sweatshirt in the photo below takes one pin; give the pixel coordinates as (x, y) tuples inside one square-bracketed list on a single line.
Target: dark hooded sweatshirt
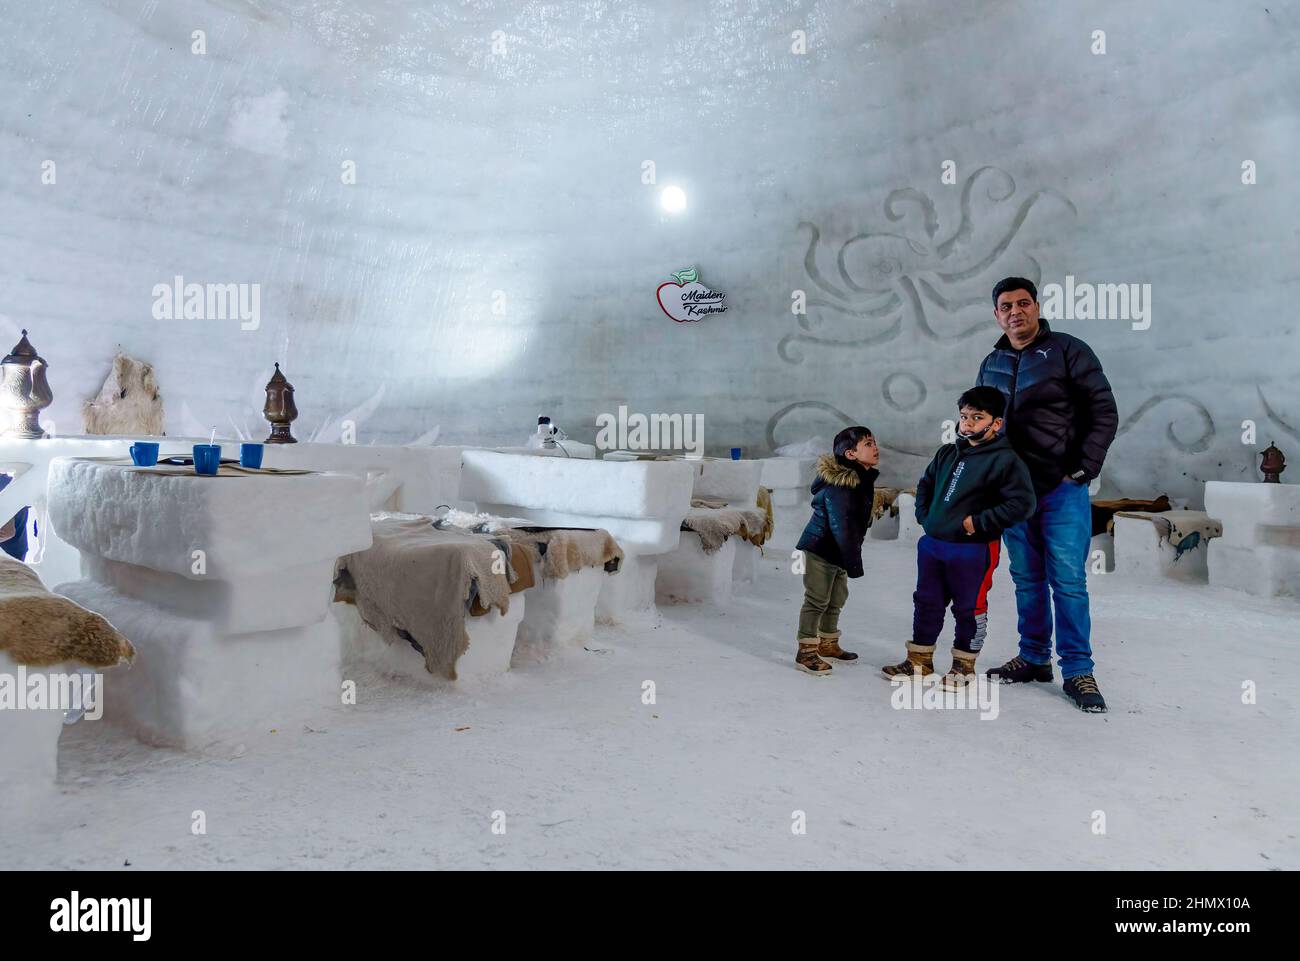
[(986, 482), (841, 513)]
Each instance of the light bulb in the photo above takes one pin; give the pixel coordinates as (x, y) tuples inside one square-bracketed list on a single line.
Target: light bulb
[(673, 199)]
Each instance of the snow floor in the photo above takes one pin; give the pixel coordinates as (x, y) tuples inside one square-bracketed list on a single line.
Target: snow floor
[(711, 774)]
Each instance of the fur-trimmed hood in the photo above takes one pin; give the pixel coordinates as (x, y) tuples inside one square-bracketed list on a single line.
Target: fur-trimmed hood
[(831, 471), (842, 497)]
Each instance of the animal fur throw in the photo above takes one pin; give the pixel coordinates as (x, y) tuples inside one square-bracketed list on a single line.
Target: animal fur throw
[(765, 505), (555, 551), (40, 629), (1103, 512), (128, 403), (558, 552), (1184, 530), (886, 499), (415, 585), (715, 525)]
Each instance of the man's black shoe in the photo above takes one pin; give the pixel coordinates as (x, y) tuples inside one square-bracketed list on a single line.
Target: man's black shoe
[(1083, 690), (1018, 670)]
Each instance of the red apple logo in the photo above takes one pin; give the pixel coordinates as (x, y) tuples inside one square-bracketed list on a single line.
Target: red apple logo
[(686, 300)]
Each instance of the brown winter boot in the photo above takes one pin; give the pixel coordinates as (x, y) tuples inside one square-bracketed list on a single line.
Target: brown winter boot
[(962, 671), (807, 659), (919, 663), (829, 646)]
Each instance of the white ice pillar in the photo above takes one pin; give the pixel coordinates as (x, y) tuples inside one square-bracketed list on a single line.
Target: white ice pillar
[(690, 576)]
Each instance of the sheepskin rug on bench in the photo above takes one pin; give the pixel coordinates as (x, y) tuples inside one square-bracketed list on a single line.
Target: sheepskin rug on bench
[(41, 633), (41, 629)]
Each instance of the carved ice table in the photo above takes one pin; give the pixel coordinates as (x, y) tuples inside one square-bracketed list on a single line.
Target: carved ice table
[(222, 583), (641, 503)]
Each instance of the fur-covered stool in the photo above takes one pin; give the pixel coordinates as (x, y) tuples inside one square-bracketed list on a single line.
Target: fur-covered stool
[(46, 642)]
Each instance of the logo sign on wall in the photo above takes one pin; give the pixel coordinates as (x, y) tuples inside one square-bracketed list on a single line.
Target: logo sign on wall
[(685, 299)]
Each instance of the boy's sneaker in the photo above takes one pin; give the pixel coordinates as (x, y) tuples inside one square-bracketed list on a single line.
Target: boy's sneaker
[(962, 671), (828, 645), (919, 663), (1085, 693), (807, 659), (1018, 671)]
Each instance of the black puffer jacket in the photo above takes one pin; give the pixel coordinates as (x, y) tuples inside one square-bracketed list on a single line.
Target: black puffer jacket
[(841, 513), (1061, 415)]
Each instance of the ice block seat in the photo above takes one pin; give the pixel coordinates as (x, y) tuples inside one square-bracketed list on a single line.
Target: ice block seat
[(790, 480), (745, 569), (221, 583), (569, 565), (1168, 544), (561, 613), (1259, 552), (489, 646), (46, 642), (909, 528), (431, 589), (733, 485), (1102, 548), (885, 515), (691, 575), (574, 565), (703, 567), (641, 503)]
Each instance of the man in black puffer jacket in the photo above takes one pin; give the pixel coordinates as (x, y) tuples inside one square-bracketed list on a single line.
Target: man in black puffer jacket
[(1061, 418)]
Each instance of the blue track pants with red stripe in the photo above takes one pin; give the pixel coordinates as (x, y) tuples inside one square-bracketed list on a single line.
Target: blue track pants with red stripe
[(956, 574)]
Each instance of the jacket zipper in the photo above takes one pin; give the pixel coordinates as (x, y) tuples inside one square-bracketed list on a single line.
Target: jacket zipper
[(1011, 398)]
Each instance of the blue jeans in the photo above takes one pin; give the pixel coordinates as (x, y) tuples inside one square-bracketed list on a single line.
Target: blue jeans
[(1051, 549)]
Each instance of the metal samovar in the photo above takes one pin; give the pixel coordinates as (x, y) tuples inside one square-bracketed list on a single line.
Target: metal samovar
[(1272, 464), (24, 391), (280, 409)]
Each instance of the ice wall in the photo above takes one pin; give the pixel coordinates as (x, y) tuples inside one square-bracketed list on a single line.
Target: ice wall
[(498, 253)]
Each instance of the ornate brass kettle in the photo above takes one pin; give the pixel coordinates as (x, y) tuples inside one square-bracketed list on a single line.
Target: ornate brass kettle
[(24, 391), (280, 409)]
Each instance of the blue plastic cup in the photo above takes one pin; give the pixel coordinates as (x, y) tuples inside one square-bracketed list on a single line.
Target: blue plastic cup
[(250, 455), (735, 453), (207, 458), (144, 453)]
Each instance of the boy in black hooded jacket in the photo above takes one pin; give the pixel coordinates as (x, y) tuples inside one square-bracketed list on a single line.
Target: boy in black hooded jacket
[(843, 495), (972, 491)]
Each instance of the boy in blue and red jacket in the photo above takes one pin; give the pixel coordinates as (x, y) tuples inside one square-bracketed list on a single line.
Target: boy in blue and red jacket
[(973, 490)]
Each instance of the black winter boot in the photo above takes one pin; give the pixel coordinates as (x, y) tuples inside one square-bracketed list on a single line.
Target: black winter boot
[(1018, 671), (1085, 694)]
